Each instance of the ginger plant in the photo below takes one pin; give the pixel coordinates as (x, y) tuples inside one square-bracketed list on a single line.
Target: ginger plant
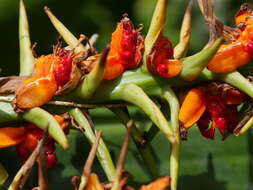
[(132, 70)]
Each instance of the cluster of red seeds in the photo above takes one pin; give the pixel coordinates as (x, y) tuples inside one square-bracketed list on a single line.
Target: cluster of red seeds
[(219, 115), (162, 51), (62, 69), (128, 44)]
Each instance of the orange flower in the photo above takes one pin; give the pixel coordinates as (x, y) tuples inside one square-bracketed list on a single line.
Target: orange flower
[(160, 61), (52, 72), (211, 108), (239, 52), (126, 49), (26, 139)]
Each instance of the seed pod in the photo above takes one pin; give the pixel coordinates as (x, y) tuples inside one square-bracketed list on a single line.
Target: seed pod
[(160, 60), (125, 51), (55, 74)]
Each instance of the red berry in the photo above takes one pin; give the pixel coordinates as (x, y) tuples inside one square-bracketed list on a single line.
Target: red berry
[(162, 70), (249, 48), (51, 160)]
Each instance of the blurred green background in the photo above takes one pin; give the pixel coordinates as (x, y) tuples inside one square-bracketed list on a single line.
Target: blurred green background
[(206, 164)]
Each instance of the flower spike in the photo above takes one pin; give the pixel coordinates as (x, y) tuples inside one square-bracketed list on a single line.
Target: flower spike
[(26, 54)]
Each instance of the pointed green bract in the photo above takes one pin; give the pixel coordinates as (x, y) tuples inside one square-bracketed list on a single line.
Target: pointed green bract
[(44, 120), (3, 174), (69, 38), (194, 65), (92, 80), (26, 55), (103, 154), (155, 28), (181, 48), (135, 95)]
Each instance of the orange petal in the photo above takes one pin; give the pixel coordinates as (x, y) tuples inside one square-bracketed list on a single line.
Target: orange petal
[(35, 93), (62, 122), (112, 69), (44, 64), (94, 183), (174, 67), (233, 96), (162, 183), (31, 141), (10, 136), (229, 58), (192, 108)]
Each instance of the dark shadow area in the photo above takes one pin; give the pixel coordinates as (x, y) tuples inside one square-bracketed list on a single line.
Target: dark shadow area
[(250, 149), (205, 180)]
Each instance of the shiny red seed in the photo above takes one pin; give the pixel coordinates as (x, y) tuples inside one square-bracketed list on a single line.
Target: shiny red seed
[(162, 70), (51, 160), (63, 69), (249, 48)]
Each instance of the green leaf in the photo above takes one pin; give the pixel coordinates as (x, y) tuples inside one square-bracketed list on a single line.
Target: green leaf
[(3, 174), (26, 54)]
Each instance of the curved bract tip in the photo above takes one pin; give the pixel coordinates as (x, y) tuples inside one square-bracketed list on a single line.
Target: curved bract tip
[(193, 65)]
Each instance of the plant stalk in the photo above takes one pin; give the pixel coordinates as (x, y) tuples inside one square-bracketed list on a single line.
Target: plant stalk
[(103, 154), (172, 99), (143, 147)]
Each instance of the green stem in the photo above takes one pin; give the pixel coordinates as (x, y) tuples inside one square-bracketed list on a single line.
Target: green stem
[(26, 55), (237, 80), (135, 95), (103, 154), (151, 133), (172, 99), (143, 147)]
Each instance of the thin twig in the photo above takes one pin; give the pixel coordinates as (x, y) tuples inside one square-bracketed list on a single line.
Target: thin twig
[(122, 157), (89, 162), (42, 177), (240, 125), (77, 105), (22, 175)]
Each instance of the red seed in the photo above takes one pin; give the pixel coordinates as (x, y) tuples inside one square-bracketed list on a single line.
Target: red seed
[(249, 48), (162, 70), (51, 160)]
